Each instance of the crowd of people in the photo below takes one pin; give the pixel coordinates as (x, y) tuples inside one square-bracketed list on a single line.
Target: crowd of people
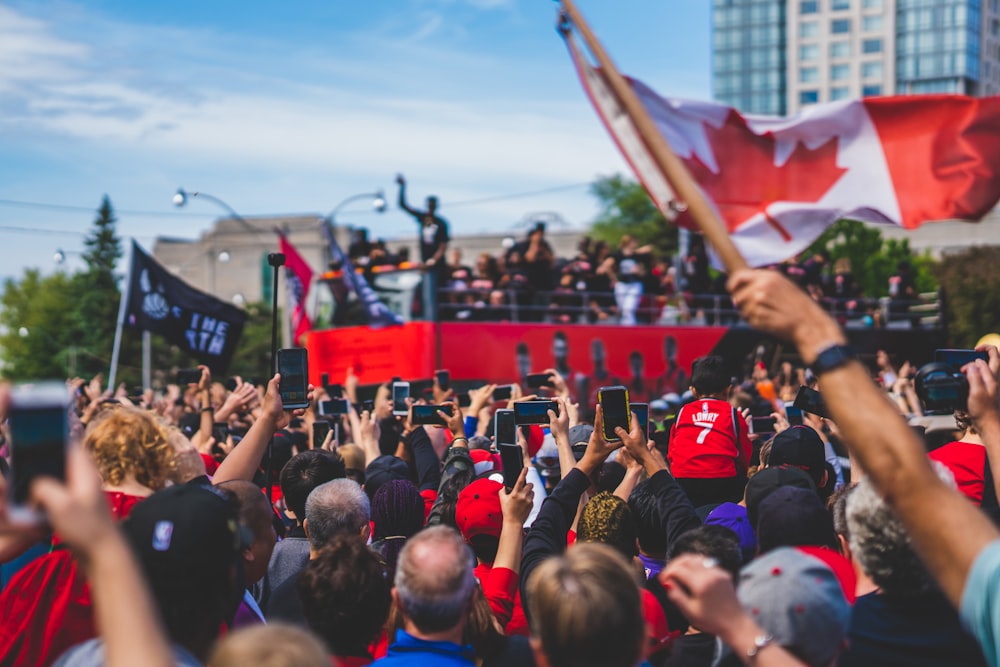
[(208, 525), (602, 283)]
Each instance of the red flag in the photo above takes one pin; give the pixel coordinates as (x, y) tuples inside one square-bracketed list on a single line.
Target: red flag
[(777, 183), (298, 276)]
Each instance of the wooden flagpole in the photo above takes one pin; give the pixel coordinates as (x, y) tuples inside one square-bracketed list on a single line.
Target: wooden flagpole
[(670, 165)]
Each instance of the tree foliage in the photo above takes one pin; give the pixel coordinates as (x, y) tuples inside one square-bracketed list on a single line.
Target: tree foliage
[(970, 283), (873, 259), (627, 209)]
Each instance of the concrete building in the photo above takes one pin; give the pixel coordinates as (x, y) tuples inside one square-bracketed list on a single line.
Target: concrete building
[(778, 56)]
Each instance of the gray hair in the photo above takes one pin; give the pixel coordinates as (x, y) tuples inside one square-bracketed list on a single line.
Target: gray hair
[(335, 508), (881, 544), (434, 579)]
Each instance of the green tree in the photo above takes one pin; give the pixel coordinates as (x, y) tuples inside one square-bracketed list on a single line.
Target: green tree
[(97, 294), (627, 209), (970, 284), (873, 259)]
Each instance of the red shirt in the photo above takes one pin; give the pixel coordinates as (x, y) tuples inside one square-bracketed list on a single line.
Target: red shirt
[(967, 462), (704, 443), (500, 588)]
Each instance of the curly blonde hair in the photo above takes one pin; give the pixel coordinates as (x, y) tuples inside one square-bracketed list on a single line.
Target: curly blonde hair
[(131, 441)]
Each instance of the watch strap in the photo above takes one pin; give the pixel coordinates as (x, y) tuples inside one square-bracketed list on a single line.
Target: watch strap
[(833, 357)]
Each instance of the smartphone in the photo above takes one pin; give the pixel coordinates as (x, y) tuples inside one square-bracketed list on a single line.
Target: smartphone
[(504, 428), (188, 376), (810, 400), (641, 412), (320, 429), (958, 358), (464, 400), (428, 414), (400, 392), (502, 393), (220, 432), (511, 462), (443, 380), (324, 380), (369, 406), (539, 381), (533, 412), (293, 364), (794, 415), (615, 406), (333, 407), (39, 431), (762, 424)]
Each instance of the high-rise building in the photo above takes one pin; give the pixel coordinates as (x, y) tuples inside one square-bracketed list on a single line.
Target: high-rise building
[(778, 56)]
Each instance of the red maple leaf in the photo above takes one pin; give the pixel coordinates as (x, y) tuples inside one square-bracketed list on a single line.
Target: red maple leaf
[(748, 181)]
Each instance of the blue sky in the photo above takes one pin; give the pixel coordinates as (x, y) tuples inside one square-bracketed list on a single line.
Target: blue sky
[(282, 107)]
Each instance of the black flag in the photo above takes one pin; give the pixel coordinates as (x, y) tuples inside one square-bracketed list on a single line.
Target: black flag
[(198, 323)]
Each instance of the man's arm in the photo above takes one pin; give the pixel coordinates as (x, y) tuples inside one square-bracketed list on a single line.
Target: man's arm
[(402, 198), (948, 532)]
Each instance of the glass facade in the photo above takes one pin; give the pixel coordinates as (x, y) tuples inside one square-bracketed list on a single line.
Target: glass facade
[(937, 46), (749, 55)]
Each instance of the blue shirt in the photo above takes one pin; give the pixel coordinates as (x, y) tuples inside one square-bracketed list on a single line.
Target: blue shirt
[(980, 609), (409, 650)]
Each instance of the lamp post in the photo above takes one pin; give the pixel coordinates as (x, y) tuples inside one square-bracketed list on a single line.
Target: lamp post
[(377, 198)]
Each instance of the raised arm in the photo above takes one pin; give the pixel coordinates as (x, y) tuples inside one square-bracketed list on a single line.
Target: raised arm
[(947, 530), (402, 196)]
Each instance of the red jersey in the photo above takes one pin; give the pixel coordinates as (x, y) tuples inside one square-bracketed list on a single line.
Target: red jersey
[(967, 462), (708, 441)]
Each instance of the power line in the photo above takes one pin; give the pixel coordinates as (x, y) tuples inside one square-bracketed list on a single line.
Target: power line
[(171, 214)]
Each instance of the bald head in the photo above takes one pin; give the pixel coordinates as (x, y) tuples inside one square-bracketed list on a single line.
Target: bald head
[(434, 579), (336, 508)]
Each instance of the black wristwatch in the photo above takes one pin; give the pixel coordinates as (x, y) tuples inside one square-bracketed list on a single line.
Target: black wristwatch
[(832, 358)]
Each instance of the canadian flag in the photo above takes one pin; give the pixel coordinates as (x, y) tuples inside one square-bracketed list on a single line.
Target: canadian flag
[(777, 183), (298, 276)]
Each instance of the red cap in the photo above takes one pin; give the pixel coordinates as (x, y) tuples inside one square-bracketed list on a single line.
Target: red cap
[(484, 460), (477, 511), (660, 636), (536, 436), (841, 567)]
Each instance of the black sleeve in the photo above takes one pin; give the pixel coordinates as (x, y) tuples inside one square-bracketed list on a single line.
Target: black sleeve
[(456, 460), (674, 507), (425, 458), (441, 237), (547, 536)]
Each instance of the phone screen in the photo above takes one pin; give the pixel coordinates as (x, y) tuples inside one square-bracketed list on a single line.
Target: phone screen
[(959, 358), (189, 376), (810, 400), (502, 393), (320, 429), (400, 392), (762, 424), (614, 404), (539, 380), (794, 415), (533, 412), (39, 431), (443, 380), (333, 407), (511, 461), (293, 364), (641, 411), (428, 414), (504, 428)]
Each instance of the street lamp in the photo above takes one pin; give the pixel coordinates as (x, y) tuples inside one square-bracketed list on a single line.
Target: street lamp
[(181, 199), (60, 255), (377, 199)]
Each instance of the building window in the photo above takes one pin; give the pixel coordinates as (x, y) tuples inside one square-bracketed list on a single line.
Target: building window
[(871, 91), (838, 5), (871, 46), (840, 50), (840, 72), (808, 7), (871, 70), (808, 75), (840, 26), (839, 93), (808, 29), (808, 97), (872, 4), (872, 23), (809, 52)]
